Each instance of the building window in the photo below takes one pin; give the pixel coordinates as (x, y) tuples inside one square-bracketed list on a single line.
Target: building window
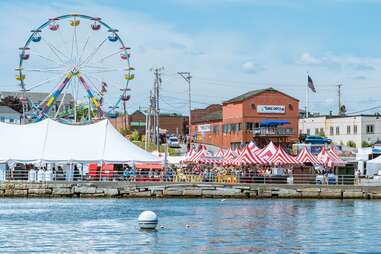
[(337, 130), (249, 126), (348, 129), (316, 131), (354, 129), (370, 129), (216, 129), (331, 131), (308, 131), (322, 132)]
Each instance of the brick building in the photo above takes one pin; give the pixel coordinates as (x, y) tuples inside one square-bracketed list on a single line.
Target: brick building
[(174, 123), (261, 115)]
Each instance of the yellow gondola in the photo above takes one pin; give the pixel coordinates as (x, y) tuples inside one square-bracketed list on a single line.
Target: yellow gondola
[(129, 76), (74, 22), (20, 77)]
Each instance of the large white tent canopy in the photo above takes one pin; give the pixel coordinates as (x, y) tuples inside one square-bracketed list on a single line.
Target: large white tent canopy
[(52, 141), (373, 166)]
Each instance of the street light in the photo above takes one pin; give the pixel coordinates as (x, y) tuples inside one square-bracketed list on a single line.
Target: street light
[(187, 77)]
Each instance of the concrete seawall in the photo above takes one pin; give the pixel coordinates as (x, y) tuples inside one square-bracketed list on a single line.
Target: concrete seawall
[(185, 190)]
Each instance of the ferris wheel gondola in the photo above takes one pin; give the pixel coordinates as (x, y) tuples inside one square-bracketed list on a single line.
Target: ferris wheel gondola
[(74, 56)]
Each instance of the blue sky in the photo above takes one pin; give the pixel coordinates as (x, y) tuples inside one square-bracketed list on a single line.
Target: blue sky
[(229, 46)]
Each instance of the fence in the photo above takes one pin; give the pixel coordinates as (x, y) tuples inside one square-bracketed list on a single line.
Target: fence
[(172, 176)]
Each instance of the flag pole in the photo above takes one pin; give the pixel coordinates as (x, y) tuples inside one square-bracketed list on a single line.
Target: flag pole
[(307, 97)]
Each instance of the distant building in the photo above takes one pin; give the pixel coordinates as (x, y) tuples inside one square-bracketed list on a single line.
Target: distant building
[(38, 97), (342, 129), (175, 124), (9, 115), (260, 115)]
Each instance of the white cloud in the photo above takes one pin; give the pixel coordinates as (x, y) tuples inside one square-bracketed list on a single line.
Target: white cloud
[(251, 66), (308, 59)]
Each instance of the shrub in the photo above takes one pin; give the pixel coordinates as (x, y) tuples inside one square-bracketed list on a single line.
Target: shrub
[(351, 143), (135, 135), (366, 144)]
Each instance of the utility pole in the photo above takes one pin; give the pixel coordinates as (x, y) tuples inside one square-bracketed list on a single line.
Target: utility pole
[(148, 121), (157, 83), (339, 95), (187, 77)]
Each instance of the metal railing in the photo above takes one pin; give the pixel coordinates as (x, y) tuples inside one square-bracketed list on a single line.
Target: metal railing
[(272, 131), (181, 177)]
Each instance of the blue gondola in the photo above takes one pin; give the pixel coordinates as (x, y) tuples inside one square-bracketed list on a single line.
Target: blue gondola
[(36, 38), (113, 38)]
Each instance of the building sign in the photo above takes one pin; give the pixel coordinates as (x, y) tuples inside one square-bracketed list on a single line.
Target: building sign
[(204, 128), (137, 124), (271, 109)]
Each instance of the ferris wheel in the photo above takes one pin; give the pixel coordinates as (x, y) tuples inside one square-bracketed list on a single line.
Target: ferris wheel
[(81, 62)]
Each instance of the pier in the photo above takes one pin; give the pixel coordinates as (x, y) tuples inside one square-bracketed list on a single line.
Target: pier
[(185, 190)]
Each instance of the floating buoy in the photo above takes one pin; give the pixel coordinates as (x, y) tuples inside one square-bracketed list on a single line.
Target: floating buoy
[(147, 220)]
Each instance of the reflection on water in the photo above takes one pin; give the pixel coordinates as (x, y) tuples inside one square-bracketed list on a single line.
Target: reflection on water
[(232, 226)]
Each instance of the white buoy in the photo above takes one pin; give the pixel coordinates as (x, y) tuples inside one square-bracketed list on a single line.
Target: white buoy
[(147, 220)]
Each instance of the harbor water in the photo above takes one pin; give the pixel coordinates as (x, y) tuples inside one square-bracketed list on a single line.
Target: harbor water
[(190, 226)]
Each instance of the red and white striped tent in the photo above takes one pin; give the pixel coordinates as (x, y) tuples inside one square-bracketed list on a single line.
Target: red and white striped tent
[(211, 160), (199, 155), (237, 151), (229, 157), (280, 157), (248, 158), (306, 157), (334, 155), (329, 160), (220, 153), (267, 151), (253, 147), (189, 155)]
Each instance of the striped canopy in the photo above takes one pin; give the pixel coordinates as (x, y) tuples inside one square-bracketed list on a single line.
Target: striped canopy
[(237, 151), (253, 147), (267, 151), (329, 159), (248, 158), (229, 157), (281, 158), (220, 153), (306, 157), (199, 155)]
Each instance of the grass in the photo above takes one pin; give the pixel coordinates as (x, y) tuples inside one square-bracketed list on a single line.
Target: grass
[(152, 147)]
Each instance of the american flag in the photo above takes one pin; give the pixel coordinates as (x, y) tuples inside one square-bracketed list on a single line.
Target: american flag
[(311, 84)]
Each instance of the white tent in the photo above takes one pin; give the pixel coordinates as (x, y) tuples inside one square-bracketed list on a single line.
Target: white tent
[(373, 166), (51, 141)]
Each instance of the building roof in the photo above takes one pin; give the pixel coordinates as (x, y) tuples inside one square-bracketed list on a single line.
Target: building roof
[(214, 116), (252, 93), (343, 116), (36, 97), (8, 111)]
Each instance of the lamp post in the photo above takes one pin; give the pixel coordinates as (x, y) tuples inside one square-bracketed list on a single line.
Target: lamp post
[(187, 77)]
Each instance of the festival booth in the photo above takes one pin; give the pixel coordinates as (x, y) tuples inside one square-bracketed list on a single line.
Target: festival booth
[(305, 172), (49, 142), (250, 162), (281, 163)]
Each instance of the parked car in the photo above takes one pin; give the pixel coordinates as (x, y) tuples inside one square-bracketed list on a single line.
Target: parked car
[(173, 142)]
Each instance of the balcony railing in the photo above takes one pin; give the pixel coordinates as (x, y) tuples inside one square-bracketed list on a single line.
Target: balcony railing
[(272, 131)]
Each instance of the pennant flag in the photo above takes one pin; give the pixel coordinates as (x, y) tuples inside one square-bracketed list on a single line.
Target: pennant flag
[(311, 84)]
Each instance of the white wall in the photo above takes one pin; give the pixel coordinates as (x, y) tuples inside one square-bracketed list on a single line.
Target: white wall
[(343, 123)]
